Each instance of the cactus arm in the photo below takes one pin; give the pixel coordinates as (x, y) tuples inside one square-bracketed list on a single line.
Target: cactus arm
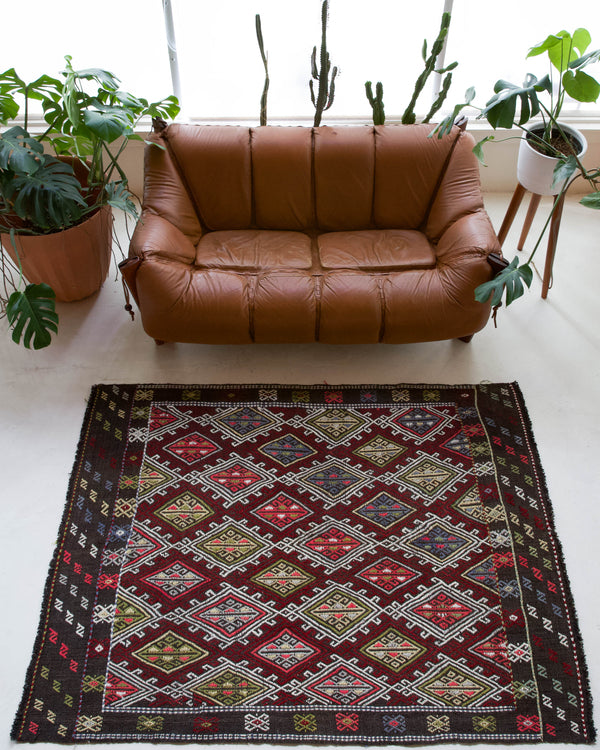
[(409, 117), (376, 101), (436, 106), (263, 98), (326, 89)]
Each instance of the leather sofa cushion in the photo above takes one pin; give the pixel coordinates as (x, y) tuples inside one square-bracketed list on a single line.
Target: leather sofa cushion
[(376, 250), (254, 250)]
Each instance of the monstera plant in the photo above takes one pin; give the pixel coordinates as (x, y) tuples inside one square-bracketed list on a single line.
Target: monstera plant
[(535, 107), (56, 176)]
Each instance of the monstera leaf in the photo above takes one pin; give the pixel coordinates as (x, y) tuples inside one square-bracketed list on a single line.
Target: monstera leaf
[(510, 279), (19, 152), (50, 197), (500, 110), (32, 315)]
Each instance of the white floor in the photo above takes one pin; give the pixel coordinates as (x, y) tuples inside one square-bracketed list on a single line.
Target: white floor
[(552, 348)]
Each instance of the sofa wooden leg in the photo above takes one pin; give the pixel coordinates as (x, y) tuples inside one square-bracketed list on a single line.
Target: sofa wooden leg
[(466, 339), (159, 342)]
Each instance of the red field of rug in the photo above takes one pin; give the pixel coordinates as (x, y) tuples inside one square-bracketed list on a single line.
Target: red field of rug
[(370, 564)]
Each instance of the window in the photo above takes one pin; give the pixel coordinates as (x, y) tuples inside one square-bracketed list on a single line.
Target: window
[(220, 67)]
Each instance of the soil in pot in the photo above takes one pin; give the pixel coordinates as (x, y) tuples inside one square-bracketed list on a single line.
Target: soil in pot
[(571, 145)]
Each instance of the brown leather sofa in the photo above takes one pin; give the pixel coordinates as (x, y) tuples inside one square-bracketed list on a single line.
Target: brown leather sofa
[(295, 234)]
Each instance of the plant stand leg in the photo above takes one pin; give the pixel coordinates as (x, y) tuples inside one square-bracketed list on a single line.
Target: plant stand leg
[(533, 207), (511, 212), (552, 242)]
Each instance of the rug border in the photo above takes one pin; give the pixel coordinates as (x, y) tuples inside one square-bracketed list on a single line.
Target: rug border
[(587, 697)]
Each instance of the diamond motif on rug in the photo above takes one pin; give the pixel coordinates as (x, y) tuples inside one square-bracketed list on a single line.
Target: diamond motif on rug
[(287, 450), (380, 451), (116, 688), (283, 578), (484, 573), (230, 615), (184, 511), (170, 652), (160, 418), (333, 481), (334, 544), (245, 421), (344, 685), (494, 649), (458, 443), (282, 511), (176, 580), (440, 543), (192, 448), (393, 649), (236, 479), (470, 505), (286, 651), (455, 686), (444, 612), (338, 613), (336, 425), (387, 574), (230, 545), (154, 477), (230, 687), (419, 423), (384, 510), (429, 476), (129, 615)]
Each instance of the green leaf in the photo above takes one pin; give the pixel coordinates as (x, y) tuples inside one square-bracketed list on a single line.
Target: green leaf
[(581, 86), (50, 198), (500, 110), (581, 40), (564, 170), (9, 108), (103, 77), (588, 59), (32, 315), (592, 200), (166, 109), (19, 152), (44, 87), (108, 123), (478, 148), (445, 126), (118, 196), (509, 280)]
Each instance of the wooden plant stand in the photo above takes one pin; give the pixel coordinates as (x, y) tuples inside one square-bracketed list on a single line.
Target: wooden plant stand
[(531, 211)]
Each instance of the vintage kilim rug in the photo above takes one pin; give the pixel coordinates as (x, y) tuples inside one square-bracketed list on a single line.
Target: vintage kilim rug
[(307, 564)]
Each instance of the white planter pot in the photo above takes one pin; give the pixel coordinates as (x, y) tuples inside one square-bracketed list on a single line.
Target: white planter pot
[(536, 171)]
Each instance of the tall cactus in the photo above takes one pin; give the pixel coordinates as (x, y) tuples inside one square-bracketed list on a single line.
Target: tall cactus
[(326, 90), (409, 117), (376, 101), (261, 46)]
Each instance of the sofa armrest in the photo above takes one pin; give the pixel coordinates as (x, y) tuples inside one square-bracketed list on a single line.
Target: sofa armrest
[(471, 235), (467, 253), (155, 236)]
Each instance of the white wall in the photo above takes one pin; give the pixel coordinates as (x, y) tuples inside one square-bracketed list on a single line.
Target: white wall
[(498, 176)]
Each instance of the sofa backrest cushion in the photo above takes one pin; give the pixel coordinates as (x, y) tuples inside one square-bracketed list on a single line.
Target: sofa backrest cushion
[(321, 179)]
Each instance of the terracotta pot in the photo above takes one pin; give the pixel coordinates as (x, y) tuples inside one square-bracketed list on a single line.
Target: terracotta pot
[(73, 262), (535, 171)]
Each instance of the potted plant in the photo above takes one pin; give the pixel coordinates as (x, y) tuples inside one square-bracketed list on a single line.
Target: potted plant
[(57, 189), (546, 141)]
